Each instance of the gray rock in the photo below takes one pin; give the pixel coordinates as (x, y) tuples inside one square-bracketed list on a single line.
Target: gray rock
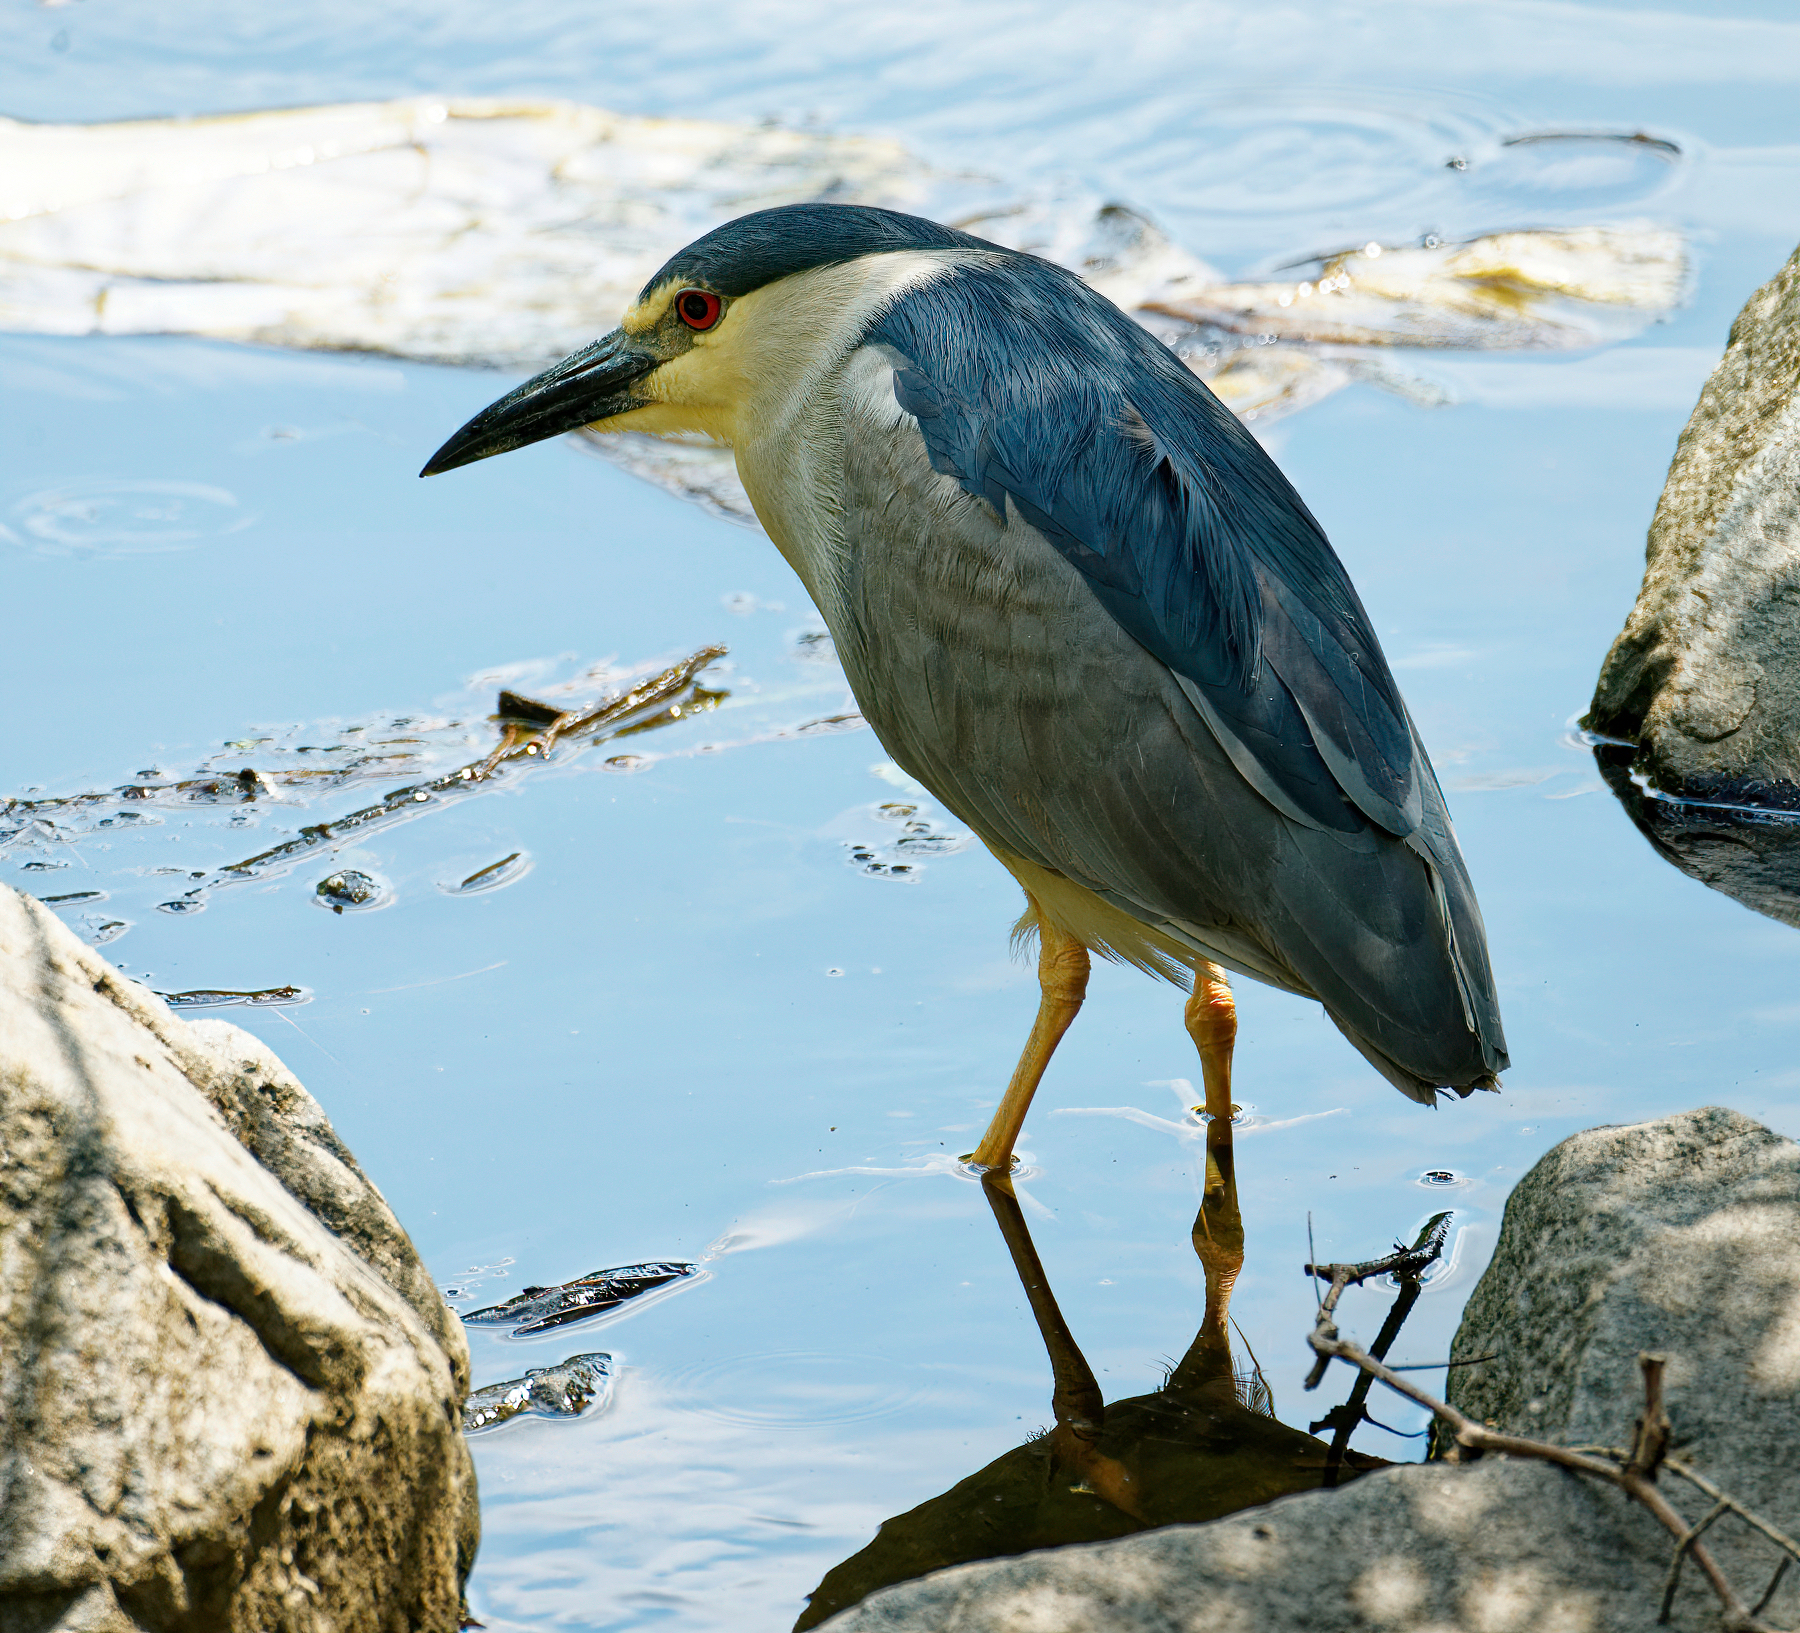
[(1705, 676), (230, 1397), (1682, 1236)]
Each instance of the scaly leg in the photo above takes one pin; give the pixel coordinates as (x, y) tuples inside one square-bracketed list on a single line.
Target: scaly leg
[(1063, 979), (1219, 1229)]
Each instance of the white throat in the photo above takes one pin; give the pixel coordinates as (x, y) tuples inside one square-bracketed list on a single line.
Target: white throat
[(801, 355)]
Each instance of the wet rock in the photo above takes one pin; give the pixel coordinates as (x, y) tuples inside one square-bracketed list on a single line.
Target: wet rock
[(230, 1396), (347, 888), (1681, 1235), (538, 1309), (580, 1384), (1705, 677)]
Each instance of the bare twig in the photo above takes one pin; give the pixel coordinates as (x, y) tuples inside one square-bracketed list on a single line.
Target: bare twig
[(1650, 1436), (1789, 1547), (1405, 1263), (1312, 1253), (518, 743), (1699, 1481), (1632, 1472), (1673, 1580), (1443, 1366), (1407, 1266), (1781, 1570)]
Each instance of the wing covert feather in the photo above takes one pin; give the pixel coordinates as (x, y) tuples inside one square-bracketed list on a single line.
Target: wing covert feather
[(996, 673), (1185, 529)]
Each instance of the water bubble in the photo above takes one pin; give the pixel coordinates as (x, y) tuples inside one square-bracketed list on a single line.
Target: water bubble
[(896, 859)]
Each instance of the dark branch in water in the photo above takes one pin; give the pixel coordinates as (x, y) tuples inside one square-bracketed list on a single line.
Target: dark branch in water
[(1407, 1265), (1633, 1470), (656, 700)]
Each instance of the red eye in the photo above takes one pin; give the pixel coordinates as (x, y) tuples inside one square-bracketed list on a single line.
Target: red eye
[(697, 308)]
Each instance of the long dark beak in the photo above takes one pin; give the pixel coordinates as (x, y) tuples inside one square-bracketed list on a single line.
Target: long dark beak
[(592, 385)]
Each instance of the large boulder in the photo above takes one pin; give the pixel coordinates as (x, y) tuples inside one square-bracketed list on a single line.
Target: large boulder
[(230, 1396), (1705, 677), (1681, 1236)]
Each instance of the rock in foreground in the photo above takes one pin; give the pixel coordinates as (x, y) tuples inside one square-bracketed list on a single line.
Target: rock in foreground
[(230, 1396), (1681, 1235)]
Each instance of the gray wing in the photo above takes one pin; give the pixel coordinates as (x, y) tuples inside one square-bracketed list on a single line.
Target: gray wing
[(992, 673)]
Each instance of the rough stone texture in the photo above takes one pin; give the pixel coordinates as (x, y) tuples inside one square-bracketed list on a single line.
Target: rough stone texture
[(230, 1397), (1706, 674), (1681, 1235)]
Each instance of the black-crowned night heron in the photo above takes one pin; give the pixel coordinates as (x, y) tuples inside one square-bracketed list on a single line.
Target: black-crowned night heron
[(1077, 601)]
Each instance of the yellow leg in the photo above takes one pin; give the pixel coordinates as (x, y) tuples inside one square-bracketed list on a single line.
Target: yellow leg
[(1063, 979), (1211, 1017), (1219, 1229)]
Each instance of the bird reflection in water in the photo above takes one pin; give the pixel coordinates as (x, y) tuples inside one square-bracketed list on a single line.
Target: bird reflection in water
[(1204, 1445)]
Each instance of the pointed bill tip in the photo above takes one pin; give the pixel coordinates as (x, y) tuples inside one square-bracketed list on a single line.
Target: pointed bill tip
[(483, 437), (594, 384)]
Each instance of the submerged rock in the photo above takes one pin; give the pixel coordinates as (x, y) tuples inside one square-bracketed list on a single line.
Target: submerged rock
[(538, 1309), (1680, 1235), (230, 1396), (580, 1384), (347, 888), (1705, 677)]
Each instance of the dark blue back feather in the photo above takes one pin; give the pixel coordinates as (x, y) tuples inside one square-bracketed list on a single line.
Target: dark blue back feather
[(1032, 390)]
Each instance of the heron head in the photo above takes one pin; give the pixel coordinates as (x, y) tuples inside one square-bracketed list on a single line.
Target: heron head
[(728, 329)]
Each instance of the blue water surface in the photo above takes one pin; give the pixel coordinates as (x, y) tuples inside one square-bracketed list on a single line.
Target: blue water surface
[(697, 1026)]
